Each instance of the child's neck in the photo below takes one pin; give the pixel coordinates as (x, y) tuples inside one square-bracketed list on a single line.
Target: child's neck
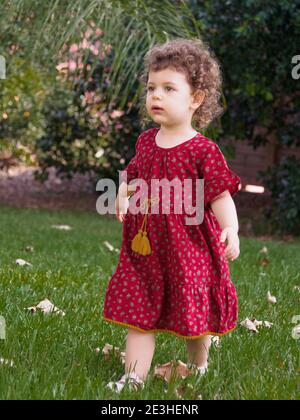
[(171, 134)]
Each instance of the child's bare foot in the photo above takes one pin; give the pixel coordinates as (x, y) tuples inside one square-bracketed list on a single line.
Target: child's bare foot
[(134, 382), (200, 370)]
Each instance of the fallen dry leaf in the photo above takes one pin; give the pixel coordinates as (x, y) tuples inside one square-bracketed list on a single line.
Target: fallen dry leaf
[(6, 362), (264, 250), (264, 262), (262, 274), (262, 323), (182, 370), (180, 391), (296, 332), (29, 249), (21, 262), (247, 323), (2, 328), (268, 324), (108, 348), (216, 340), (171, 369), (270, 298), (111, 247), (166, 371), (47, 307), (253, 324), (62, 227)]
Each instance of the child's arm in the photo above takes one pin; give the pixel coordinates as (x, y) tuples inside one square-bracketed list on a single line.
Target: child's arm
[(126, 190), (224, 209), (122, 201)]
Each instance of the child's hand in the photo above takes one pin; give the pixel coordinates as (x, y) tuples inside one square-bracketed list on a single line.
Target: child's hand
[(121, 205), (232, 250)]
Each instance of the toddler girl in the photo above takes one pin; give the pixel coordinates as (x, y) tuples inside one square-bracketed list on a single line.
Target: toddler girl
[(173, 276)]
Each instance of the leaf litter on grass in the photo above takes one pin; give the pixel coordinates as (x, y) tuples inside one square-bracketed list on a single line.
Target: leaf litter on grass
[(46, 307), (169, 371)]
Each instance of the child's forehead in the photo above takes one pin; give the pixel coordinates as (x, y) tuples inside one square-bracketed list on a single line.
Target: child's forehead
[(167, 75)]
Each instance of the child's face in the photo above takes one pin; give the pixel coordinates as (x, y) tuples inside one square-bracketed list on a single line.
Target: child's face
[(170, 90)]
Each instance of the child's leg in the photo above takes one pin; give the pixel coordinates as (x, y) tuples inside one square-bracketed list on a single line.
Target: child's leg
[(198, 350), (139, 352)]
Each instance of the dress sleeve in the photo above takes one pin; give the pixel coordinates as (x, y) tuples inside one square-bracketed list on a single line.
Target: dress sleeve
[(131, 169), (218, 177)]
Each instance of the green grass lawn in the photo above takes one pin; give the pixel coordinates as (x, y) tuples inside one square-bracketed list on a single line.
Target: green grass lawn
[(54, 356)]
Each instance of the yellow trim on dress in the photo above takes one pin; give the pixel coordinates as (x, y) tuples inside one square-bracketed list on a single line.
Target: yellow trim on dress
[(193, 337)]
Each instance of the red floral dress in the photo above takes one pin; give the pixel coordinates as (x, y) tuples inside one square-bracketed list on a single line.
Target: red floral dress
[(183, 287)]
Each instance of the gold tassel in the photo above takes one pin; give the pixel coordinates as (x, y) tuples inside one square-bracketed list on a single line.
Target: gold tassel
[(135, 243), (145, 248), (140, 242)]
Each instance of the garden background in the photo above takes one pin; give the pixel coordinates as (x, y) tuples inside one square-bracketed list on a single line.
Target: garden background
[(69, 115)]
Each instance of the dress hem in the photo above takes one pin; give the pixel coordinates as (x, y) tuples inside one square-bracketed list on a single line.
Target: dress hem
[(193, 337)]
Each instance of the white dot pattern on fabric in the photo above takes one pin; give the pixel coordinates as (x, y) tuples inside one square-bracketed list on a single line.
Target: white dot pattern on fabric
[(183, 287)]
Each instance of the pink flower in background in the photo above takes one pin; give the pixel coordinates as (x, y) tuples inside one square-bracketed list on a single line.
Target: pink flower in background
[(72, 65), (84, 44), (94, 50), (62, 67), (89, 96), (116, 113), (88, 33), (103, 118), (73, 48)]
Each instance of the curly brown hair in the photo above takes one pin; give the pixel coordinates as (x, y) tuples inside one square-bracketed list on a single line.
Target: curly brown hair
[(194, 58)]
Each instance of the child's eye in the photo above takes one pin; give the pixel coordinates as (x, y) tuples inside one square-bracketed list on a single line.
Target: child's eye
[(167, 87)]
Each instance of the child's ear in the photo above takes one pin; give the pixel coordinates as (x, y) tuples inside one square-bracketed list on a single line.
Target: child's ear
[(199, 96)]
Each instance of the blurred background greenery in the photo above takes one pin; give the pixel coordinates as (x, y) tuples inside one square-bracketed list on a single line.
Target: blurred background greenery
[(71, 97)]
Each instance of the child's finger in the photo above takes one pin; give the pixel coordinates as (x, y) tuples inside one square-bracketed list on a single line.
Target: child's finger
[(229, 253), (233, 253), (223, 237), (228, 249)]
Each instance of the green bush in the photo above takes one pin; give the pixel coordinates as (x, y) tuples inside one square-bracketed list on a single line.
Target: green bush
[(284, 184), (73, 142), (82, 132)]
